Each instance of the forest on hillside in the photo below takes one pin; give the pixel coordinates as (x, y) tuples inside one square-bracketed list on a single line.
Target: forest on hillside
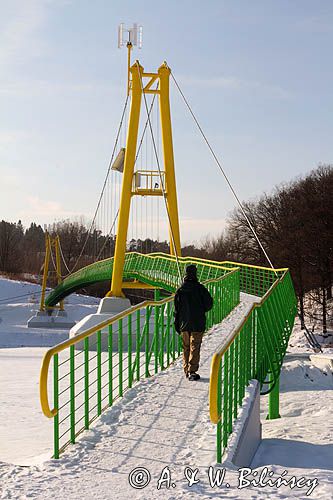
[(294, 223)]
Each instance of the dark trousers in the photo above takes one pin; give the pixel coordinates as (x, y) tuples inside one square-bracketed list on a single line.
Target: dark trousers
[(191, 351)]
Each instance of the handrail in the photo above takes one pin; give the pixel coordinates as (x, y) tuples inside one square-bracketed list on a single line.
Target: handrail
[(44, 400), (67, 343), (255, 266), (189, 257), (213, 384)]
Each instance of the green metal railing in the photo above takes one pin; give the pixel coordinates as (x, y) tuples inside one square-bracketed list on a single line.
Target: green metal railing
[(255, 350), (93, 369), (160, 270)]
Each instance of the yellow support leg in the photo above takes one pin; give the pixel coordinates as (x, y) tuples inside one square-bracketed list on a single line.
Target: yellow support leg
[(125, 202), (46, 270), (137, 88), (169, 166), (58, 264)]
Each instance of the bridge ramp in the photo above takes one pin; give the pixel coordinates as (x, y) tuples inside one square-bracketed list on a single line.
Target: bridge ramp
[(161, 422)]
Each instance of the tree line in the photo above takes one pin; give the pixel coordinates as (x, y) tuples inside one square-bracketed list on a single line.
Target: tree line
[(294, 223), (295, 226)]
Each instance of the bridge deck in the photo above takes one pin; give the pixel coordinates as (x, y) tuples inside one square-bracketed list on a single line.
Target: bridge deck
[(162, 421)]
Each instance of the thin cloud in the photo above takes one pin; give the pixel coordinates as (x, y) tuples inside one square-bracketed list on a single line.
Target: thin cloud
[(9, 137), (37, 206), (18, 38), (316, 24), (191, 229), (237, 84), (37, 88)]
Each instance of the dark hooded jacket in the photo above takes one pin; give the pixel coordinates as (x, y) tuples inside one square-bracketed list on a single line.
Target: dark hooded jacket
[(192, 301)]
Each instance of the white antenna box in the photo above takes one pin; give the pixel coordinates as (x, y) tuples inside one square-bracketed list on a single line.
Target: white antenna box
[(130, 35)]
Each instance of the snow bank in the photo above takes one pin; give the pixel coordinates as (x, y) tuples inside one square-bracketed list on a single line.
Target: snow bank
[(19, 301)]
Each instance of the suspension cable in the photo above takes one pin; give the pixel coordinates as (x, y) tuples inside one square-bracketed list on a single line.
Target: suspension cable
[(137, 155), (53, 261), (109, 234), (223, 172), (160, 173), (104, 185), (63, 258), (8, 299)]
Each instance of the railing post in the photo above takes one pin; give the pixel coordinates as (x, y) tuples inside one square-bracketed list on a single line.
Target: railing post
[(110, 354), (236, 379), (156, 343), (274, 402), (129, 351), (56, 405), (72, 391), (168, 326), (137, 343), (120, 353), (147, 374), (226, 401), (99, 372), (219, 409), (156, 329), (162, 336), (86, 382)]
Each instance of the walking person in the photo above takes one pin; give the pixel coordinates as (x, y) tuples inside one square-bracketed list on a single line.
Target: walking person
[(192, 301)]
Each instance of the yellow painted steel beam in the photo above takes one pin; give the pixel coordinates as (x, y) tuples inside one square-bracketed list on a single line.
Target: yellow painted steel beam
[(147, 192), (138, 285), (169, 166), (125, 202), (129, 48), (150, 83), (46, 270), (58, 264)]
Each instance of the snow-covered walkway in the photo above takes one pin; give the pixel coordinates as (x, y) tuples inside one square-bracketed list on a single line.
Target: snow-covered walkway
[(161, 422), (164, 422)]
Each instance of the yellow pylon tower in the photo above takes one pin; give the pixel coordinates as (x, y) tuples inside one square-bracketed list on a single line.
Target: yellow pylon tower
[(141, 83), (49, 244)]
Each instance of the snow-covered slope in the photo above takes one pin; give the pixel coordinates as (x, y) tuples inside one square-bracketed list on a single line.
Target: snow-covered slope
[(19, 301), (21, 353)]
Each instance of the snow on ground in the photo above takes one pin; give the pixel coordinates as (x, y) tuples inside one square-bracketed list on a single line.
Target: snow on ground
[(156, 424), (163, 422), (21, 418), (298, 342), (20, 300), (21, 353)]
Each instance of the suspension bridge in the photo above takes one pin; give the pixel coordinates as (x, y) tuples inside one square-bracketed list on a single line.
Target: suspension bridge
[(107, 355)]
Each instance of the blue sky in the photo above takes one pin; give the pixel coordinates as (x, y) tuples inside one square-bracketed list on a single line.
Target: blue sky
[(258, 75)]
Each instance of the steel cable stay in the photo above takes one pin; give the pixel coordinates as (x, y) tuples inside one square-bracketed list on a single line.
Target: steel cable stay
[(102, 193), (8, 299), (223, 172), (136, 158), (53, 261), (160, 173), (63, 259), (108, 235), (103, 188)]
